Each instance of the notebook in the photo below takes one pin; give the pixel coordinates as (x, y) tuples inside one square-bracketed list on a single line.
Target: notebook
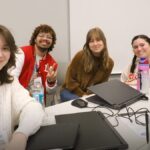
[(54, 136), (114, 94), (95, 132)]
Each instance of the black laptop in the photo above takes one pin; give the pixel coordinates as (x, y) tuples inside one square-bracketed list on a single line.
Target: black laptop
[(95, 132), (62, 136), (114, 94)]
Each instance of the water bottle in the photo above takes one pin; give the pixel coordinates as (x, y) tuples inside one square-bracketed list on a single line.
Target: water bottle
[(143, 76), (3, 139), (38, 90)]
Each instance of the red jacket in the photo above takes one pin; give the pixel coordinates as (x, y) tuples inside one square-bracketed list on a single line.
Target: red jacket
[(28, 67)]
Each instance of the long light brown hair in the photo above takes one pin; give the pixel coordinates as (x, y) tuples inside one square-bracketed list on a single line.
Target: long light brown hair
[(88, 57)]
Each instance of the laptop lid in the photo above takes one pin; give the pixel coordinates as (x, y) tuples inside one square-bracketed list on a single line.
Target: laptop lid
[(114, 94), (95, 132), (54, 136)]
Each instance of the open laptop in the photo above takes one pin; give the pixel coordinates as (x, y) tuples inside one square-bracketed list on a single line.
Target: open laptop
[(95, 132), (62, 136), (114, 94)]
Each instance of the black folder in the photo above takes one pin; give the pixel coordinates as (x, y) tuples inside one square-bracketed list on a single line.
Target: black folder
[(114, 94), (62, 136), (95, 132)]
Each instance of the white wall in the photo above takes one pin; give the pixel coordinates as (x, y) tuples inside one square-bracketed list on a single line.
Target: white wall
[(22, 16), (120, 20)]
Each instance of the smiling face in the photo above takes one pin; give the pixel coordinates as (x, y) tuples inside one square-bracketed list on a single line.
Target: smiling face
[(96, 41), (96, 46), (141, 48), (4, 53), (44, 40)]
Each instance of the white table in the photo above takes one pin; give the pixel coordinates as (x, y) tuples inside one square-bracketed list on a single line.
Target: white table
[(133, 134)]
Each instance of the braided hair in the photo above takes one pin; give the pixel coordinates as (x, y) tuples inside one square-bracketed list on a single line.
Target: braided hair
[(147, 39)]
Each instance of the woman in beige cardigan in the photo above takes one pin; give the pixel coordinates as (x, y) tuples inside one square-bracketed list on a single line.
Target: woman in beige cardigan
[(16, 106), (90, 66)]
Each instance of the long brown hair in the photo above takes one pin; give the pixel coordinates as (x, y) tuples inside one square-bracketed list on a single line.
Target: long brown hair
[(46, 29), (5, 77), (88, 58)]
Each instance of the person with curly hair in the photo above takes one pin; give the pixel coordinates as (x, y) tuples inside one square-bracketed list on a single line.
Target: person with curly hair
[(34, 61)]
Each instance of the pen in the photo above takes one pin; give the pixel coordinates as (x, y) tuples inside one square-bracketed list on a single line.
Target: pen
[(140, 76), (139, 81), (147, 126)]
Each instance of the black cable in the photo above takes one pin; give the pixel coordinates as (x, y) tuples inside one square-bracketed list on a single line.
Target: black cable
[(109, 115), (139, 122), (130, 113), (116, 121), (144, 110), (127, 118), (89, 107), (95, 107)]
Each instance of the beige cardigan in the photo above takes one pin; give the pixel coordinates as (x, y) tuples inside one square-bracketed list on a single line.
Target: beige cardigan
[(16, 106)]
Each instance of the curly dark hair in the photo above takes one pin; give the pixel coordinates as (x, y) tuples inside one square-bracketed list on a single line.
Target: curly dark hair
[(5, 77), (46, 29)]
